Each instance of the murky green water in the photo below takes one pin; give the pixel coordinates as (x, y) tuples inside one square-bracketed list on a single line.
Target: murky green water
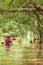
[(21, 56)]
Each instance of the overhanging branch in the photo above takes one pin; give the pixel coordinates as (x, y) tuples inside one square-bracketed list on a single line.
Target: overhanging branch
[(17, 10), (38, 7)]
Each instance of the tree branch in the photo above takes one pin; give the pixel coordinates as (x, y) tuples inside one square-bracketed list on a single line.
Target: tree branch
[(17, 10), (20, 9), (40, 25), (39, 21), (38, 7), (35, 8)]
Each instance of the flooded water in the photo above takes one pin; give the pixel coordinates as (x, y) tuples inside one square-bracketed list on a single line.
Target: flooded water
[(21, 56)]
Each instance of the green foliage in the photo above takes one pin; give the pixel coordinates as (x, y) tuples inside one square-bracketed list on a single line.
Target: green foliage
[(19, 22), (39, 1)]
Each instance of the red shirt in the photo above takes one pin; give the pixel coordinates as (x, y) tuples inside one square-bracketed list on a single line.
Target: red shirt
[(7, 40)]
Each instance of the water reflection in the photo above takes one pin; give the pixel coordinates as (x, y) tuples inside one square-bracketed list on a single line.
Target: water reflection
[(39, 53), (26, 56)]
